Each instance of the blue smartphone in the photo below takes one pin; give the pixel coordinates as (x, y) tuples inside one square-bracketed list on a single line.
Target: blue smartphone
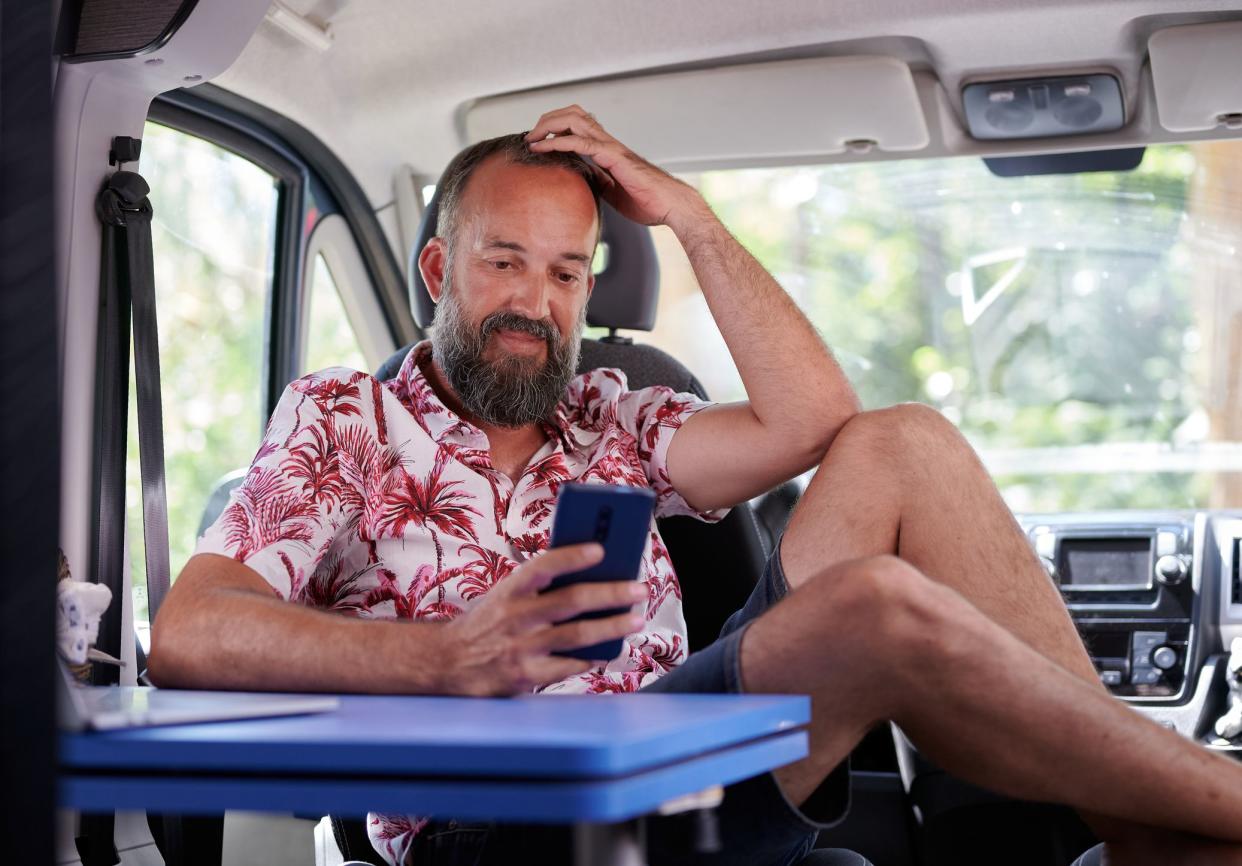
[(617, 517)]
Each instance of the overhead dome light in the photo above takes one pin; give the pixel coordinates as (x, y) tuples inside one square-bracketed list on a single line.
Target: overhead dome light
[(1044, 107)]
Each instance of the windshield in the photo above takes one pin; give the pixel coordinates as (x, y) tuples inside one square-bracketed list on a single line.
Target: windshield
[(1083, 331)]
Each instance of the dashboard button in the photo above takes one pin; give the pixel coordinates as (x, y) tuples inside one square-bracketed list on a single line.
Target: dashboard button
[(1144, 676), (1142, 643), (1050, 568), (1164, 657), (1110, 678), (1171, 570), (1045, 542), (1166, 543)]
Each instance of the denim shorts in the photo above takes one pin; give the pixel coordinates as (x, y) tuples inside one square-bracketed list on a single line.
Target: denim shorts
[(758, 825)]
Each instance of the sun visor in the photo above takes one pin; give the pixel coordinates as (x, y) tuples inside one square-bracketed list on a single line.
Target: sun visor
[(736, 113), (1196, 71)]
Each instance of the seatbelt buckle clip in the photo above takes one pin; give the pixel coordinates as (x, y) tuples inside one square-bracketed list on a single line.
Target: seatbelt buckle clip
[(124, 149)]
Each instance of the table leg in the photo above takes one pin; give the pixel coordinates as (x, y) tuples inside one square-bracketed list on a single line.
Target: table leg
[(610, 844)]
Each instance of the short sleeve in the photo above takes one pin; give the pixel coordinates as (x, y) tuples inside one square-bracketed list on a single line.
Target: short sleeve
[(295, 497), (653, 416)]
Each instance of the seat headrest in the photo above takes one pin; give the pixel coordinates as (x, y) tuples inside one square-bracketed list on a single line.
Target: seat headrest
[(626, 290)]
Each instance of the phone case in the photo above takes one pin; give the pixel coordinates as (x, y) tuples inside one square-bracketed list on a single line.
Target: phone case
[(619, 518)]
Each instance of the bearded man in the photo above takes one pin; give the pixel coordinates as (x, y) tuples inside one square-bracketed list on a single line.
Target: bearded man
[(421, 507)]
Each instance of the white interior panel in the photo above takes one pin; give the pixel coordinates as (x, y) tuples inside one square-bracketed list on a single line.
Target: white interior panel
[(1197, 72), (736, 113), (94, 102)]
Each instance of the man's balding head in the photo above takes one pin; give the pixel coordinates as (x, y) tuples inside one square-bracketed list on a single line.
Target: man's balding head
[(510, 272), (512, 149)]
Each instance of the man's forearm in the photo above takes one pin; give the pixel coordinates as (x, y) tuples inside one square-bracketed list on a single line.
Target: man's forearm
[(224, 636), (794, 384)]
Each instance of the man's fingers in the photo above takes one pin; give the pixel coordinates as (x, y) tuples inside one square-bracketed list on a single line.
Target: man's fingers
[(573, 119), (538, 571), (586, 632), (581, 145), (567, 602)]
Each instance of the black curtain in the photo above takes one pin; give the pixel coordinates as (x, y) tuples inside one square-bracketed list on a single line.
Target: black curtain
[(29, 440)]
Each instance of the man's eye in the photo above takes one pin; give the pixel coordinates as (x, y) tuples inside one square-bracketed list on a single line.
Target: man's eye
[(502, 265), (567, 278)]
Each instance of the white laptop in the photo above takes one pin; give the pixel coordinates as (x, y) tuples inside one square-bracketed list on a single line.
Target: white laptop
[(105, 708)]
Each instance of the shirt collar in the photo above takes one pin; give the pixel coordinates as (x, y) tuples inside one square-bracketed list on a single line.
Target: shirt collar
[(446, 426)]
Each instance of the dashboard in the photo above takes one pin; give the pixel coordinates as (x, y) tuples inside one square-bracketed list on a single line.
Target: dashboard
[(1157, 598)]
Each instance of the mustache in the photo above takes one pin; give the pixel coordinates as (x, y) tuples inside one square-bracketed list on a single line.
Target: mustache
[(544, 329)]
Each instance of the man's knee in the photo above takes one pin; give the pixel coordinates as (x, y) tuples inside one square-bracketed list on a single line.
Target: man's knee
[(902, 430), (891, 612)]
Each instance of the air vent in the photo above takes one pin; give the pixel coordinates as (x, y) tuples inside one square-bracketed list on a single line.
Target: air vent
[(1235, 587)]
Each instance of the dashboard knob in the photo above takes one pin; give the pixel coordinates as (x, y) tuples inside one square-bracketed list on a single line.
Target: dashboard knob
[(1050, 567), (1164, 658), (1171, 569)]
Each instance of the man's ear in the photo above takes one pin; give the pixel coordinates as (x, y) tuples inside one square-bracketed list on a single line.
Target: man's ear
[(431, 264)]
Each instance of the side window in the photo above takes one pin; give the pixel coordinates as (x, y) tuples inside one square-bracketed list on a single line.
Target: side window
[(341, 323), (330, 339), (214, 236)]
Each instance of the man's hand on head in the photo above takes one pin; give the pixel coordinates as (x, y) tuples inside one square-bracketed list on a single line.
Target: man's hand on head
[(505, 644), (636, 188)]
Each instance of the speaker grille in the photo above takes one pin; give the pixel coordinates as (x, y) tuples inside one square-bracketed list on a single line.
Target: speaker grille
[(123, 28)]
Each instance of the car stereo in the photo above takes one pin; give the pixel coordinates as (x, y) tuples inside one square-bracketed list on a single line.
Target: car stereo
[(1105, 564), (1129, 589)]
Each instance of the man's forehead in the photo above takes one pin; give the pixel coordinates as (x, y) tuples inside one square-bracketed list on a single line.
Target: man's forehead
[(553, 196)]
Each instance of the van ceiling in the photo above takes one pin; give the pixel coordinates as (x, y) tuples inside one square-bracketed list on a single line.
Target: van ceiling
[(392, 86)]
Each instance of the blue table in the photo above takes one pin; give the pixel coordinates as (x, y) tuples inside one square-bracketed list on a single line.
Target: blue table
[(593, 760)]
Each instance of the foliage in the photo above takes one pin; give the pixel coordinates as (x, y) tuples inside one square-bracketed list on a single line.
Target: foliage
[(213, 234), (1035, 312)]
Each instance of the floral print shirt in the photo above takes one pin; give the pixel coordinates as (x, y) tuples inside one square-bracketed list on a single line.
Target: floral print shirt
[(373, 499)]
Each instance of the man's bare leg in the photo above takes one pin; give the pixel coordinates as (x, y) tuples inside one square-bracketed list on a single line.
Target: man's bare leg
[(873, 639), (904, 481)]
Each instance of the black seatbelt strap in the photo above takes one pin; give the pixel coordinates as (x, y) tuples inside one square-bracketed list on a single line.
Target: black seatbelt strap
[(111, 400), (126, 287), (128, 275), (141, 266)]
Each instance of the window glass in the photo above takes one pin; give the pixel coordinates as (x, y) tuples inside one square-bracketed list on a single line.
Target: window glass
[(330, 339), (214, 235), (1082, 330)]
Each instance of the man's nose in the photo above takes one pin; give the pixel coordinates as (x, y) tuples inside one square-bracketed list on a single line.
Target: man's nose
[(533, 298)]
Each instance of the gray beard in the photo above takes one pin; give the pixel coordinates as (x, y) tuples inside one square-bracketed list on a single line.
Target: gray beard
[(511, 391)]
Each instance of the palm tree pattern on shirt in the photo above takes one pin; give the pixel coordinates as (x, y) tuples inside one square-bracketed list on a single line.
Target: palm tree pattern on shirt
[(373, 499)]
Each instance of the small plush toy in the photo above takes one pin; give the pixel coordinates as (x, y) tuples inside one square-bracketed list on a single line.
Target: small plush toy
[(1229, 725), (80, 606)]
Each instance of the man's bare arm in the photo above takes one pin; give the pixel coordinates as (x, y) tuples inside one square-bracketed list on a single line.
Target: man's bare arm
[(222, 627), (798, 396)]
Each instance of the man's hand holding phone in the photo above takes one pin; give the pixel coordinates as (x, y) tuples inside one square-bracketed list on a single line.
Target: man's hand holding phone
[(505, 644)]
